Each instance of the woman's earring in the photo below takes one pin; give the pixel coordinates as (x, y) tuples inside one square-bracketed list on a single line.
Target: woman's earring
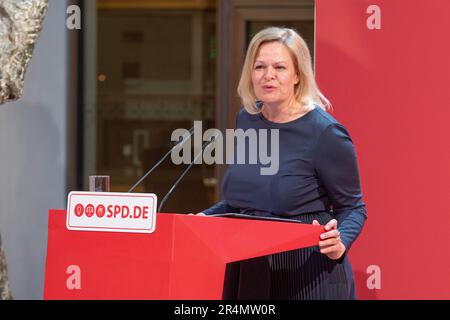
[(259, 104)]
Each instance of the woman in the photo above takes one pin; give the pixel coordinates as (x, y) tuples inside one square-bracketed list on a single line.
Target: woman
[(317, 181)]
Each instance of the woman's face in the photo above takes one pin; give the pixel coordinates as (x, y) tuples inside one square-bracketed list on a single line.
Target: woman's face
[(274, 75)]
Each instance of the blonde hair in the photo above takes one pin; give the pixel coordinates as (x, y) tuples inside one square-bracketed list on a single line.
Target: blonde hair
[(306, 91)]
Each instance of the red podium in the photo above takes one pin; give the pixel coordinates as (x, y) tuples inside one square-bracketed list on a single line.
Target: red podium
[(185, 258)]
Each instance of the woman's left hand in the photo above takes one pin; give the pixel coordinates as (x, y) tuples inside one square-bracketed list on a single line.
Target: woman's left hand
[(330, 242)]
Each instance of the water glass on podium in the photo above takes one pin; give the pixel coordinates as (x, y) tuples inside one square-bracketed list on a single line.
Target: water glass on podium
[(99, 183)]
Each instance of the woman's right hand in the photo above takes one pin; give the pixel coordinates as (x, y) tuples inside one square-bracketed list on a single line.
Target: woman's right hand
[(197, 214)]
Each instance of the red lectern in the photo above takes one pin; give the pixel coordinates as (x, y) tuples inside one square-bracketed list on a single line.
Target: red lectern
[(185, 258)]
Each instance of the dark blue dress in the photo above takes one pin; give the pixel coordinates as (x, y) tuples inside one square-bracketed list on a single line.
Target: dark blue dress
[(318, 178)]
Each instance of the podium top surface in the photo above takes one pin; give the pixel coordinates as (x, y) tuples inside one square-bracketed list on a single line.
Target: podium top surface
[(250, 217)]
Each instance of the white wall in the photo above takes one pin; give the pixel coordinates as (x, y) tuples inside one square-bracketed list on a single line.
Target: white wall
[(33, 157)]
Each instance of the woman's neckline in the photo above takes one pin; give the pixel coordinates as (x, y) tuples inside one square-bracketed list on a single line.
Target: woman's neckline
[(290, 122)]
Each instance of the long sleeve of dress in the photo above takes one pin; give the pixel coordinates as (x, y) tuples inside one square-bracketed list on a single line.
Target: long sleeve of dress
[(220, 207), (337, 169)]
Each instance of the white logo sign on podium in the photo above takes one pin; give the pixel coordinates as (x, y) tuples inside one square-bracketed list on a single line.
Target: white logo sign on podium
[(111, 212)]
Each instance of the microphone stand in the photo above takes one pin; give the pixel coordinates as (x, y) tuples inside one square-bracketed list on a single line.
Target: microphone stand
[(205, 145), (182, 141)]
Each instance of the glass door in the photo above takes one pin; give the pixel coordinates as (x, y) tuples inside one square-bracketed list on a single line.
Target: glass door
[(155, 72)]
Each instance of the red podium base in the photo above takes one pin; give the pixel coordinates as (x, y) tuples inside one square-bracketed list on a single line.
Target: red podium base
[(184, 259)]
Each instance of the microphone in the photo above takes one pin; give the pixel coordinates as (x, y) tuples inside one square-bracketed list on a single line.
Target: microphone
[(205, 145), (182, 140)]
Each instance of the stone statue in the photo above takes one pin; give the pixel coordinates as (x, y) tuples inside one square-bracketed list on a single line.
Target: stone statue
[(20, 24), (5, 293)]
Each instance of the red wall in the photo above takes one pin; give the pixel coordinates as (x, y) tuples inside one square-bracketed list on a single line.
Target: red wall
[(390, 88)]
